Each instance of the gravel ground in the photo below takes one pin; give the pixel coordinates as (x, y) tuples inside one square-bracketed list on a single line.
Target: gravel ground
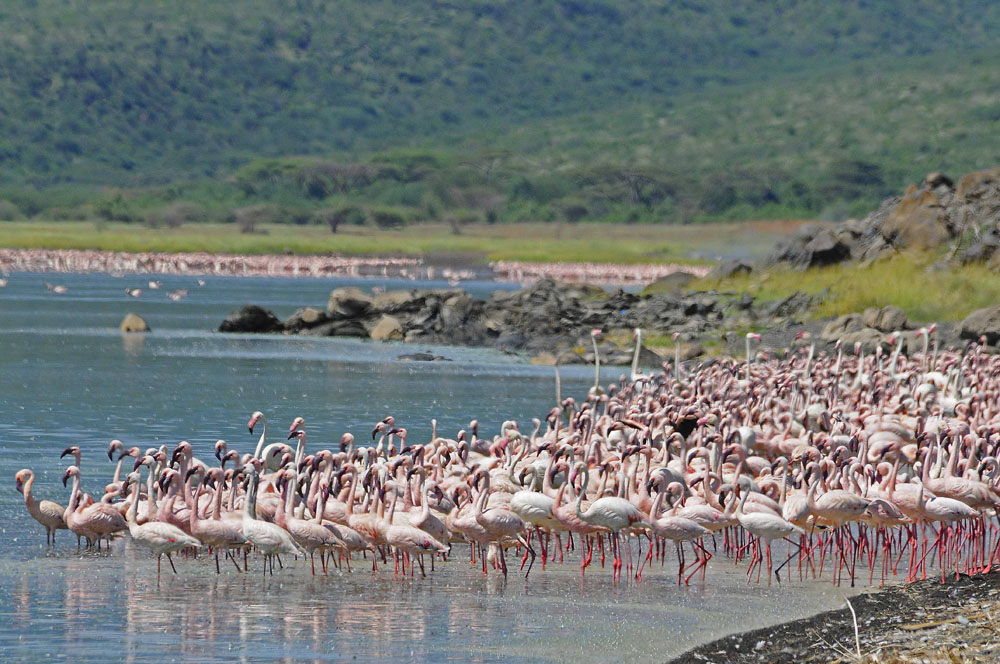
[(927, 621)]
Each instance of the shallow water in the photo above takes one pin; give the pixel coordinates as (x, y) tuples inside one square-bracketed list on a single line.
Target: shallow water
[(67, 376)]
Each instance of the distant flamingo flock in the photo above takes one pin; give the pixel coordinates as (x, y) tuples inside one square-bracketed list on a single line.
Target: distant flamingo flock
[(863, 465), (121, 263)]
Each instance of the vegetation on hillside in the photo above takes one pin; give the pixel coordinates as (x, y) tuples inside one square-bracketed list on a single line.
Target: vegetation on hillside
[(385, 113)]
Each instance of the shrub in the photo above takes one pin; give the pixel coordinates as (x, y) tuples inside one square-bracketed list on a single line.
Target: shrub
[(9, 211)]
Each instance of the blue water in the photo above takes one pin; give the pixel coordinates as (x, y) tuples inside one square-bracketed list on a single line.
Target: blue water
[(69, 377)]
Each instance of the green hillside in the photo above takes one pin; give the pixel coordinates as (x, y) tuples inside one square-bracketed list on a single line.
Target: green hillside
[(398, 111)]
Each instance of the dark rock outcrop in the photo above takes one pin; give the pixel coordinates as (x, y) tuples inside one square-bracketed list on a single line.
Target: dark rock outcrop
[(251, 318), (982, 322), (936, 213)]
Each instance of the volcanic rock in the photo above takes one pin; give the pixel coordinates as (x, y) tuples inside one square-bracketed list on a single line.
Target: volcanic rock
[(251, 318)]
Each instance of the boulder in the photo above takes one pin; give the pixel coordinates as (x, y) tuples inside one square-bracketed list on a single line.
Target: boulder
[(396, 301), (728, 269), (305, 318), (251, 318), (982, 322), (886, 319), (337, 328), (982, 249), (826, 249), (920, 221), (840, 326), (133, 323), (671, 283), (349, 301), (868, 337), (387, 328)]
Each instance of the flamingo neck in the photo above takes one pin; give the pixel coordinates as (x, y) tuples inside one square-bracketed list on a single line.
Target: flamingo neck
[(263, 437)]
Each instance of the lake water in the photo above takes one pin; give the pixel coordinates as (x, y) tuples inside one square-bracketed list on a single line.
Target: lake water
[(68, 377)]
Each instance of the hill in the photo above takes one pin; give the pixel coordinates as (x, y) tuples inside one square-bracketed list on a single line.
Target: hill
[(503, 110)]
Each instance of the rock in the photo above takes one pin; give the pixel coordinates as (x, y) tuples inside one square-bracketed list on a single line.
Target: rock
[(729, 268), (397, 301), (251, 318), (869, 339), (793, 305), (918, 222), (979, 184), (671, 283), (133, 323), (426, 356), (344, 327), (982, 322), (981, 249), (349, 301), (840, 326), (935, 180), (511, 341), (305, 318), (887, 319), (826, 249), (387, 328)]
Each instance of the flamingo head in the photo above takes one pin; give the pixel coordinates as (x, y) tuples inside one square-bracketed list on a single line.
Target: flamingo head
[(112, 446), (346, 441), (74, 450), (220, 449), (753, 335), (257, 416), (297, 423), (72, 471), (20, 479), (183, 449), (298, 433)]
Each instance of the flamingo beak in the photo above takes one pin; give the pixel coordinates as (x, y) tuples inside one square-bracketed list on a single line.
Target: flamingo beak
[(190, 473), (293, 434), (65, 478), (111, 452), (20, 488), (68, 450)]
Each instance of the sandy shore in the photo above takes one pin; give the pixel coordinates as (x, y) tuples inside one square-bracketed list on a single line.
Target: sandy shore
[(926, 621), (111, 262)]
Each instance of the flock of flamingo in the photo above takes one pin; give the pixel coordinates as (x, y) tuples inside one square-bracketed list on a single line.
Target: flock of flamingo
[(855, 460)]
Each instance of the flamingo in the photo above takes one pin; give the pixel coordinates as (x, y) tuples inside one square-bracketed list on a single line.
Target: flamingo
[(266, 537), (615, 514), (500, 523), (161, 538), (45, 512)]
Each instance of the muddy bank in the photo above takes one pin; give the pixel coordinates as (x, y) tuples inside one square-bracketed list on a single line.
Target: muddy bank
[(927, 621)]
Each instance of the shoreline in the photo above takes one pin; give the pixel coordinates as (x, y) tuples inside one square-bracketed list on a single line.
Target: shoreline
[(90, 261), (920, 621)]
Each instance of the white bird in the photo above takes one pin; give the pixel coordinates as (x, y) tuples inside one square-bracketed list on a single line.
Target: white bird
[(160, 537), (268, 538)]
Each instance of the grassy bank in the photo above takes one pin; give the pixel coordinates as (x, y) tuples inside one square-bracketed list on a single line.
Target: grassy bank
[(478, 242), (907, 281)]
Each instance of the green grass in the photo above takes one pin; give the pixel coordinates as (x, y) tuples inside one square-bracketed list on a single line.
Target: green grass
[(907, 281), (525, 242)]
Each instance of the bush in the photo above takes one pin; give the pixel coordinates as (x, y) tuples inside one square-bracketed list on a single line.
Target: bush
[(249, 217), (9, 211), (334, 217), (176, 214), (388, 219)]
